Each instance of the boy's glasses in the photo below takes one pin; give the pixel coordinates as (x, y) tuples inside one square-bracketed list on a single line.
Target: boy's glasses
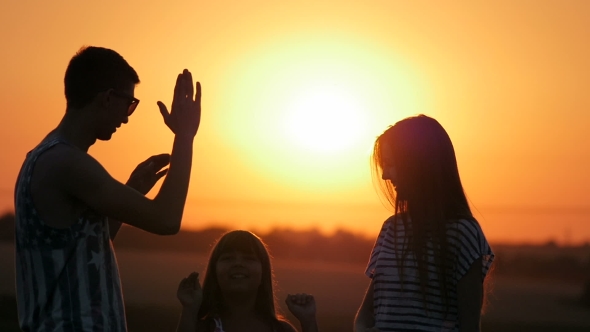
[(133, 102)]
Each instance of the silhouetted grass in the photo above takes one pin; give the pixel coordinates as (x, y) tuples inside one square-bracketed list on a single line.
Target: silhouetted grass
[(8, 314), (165, 318)]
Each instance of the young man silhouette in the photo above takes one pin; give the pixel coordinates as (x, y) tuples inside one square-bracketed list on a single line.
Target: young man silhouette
[(68, 207)]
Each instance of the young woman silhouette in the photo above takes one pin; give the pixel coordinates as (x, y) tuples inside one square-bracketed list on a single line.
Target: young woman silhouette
[(431, 257)]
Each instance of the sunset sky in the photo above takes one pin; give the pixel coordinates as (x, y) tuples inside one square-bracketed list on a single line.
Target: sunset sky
[(295, 92)]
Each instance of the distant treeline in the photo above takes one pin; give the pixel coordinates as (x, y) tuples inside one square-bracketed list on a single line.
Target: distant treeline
[(342, 246), (548, 261)]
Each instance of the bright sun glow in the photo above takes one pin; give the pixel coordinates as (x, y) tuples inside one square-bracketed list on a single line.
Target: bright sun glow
[(324, 118), (305, 110)]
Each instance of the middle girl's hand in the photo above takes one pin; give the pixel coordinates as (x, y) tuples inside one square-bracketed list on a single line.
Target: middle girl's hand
[(302, 306), (189, 291)]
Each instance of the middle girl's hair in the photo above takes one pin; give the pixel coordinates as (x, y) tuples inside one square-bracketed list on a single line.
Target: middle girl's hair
[(247, 242)]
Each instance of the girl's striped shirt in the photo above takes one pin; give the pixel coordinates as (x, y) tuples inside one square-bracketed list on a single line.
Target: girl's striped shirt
[(399, 303)]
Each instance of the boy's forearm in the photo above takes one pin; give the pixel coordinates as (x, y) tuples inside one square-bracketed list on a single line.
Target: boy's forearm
[(172, 195)]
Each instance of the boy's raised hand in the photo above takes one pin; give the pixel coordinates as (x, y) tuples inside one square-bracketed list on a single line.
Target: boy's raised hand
[(189, 291), (185, 115)]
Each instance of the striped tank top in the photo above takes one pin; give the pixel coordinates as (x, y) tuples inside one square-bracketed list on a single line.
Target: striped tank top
[(66, 279), (398, 301)]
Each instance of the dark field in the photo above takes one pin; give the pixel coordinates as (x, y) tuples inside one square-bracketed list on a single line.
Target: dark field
[(150, 280)]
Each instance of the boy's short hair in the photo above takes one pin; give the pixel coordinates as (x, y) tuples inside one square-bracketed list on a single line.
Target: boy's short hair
[(93, 70)]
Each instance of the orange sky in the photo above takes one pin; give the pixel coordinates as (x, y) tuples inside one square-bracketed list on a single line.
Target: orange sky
[(508, 80)]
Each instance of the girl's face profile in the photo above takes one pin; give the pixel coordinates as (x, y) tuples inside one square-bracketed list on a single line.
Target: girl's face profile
[(389, 172), (238, 271)]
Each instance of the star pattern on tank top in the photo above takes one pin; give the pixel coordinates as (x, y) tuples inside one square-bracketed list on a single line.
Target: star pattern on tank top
[(92, 230), (97, 260)]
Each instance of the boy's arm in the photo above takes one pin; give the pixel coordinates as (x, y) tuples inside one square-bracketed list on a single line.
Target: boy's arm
[(84, 179), (143, 178)]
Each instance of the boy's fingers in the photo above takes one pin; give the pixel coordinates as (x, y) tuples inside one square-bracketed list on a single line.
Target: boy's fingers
[(189, 84), (177, 87), (160, 160), (163, 110), (198, 93), (161, 173)]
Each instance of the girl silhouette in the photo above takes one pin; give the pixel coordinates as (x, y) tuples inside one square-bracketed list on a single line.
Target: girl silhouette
[(237, 293), (431, 257)]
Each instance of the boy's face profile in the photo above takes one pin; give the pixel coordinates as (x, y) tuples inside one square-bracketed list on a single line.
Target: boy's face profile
[(115, 108)]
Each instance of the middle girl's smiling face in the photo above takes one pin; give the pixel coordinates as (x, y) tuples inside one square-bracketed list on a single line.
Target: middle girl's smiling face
[(239, 271)]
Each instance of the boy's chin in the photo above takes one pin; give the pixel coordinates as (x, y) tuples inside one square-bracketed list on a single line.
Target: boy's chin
[(104, 136)]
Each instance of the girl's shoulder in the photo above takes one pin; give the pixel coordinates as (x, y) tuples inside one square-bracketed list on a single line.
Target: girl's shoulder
[(206, 325), (398, 217), (285, 326), (389, 222), (464, 226)]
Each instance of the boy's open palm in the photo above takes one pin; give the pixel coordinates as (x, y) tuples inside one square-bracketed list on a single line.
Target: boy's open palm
[(189, 291), (185, 115)]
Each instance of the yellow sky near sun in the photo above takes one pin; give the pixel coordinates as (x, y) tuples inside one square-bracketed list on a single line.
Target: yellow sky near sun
[(508, 80)]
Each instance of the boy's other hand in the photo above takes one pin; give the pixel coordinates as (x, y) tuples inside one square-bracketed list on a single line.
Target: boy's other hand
[(147, 173)]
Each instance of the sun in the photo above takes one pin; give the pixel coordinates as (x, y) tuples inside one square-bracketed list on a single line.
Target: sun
[(305, 110), (323, 118)]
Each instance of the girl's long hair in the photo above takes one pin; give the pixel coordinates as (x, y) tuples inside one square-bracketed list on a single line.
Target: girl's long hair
[(427, 196), (244, 241)]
